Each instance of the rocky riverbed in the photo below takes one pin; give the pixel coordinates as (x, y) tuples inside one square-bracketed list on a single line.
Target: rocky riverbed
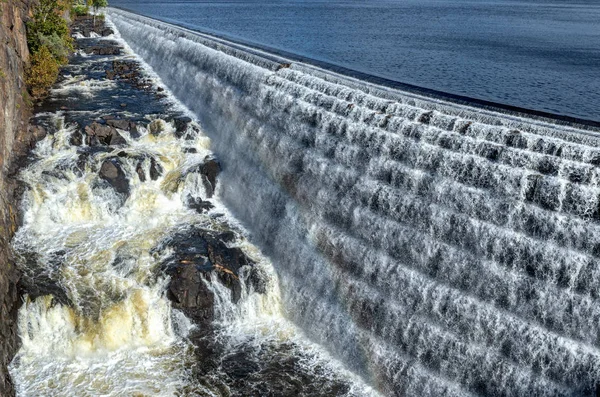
[(138, 280)]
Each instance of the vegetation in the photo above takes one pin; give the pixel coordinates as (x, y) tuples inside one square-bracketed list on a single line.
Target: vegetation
[(49, 42), (42, 72), (98, 4), (80, 9)]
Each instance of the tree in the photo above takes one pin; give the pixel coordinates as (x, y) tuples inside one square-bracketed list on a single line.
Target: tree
[(97, 4)]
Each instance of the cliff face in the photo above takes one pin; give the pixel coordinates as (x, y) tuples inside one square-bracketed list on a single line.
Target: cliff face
[(14, 142)]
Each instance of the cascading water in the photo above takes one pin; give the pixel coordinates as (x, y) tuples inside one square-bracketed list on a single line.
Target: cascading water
[(437, 249), (97, 320)]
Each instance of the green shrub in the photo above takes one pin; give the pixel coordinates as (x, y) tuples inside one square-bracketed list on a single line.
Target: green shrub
[(50, 44), (47, 21), (60, 47), (42, 72), (80, 10)]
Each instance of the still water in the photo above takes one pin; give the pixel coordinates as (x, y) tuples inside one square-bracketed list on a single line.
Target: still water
[(536, 54)]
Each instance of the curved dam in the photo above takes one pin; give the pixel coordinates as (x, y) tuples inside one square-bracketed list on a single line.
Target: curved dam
[(434, 248)]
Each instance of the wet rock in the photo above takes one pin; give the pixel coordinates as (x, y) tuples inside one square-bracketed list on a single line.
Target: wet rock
[(76, 138), (211, 169), (181, 124), (199, 205), (425, 118), (156, 127), (112, 172), (104, 50), (103, 134), (155, 171), (119, 123), (198, 253), (117, 139)]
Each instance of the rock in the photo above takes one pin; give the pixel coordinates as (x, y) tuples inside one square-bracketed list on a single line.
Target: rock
[(112, 173), (156, 127), (139, 170), (198, 204), (119, 123), (196, 254), (101, 50), (156, 169), (211, 169), (104, 134), (76, 139), (181, 124), (117, 139)]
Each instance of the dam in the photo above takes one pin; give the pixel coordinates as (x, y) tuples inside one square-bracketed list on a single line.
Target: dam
[(429, 247)]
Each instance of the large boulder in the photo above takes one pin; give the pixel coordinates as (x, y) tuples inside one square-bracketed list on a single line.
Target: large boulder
[(209, 169), (112, 172), (195, 255), (104, 134)]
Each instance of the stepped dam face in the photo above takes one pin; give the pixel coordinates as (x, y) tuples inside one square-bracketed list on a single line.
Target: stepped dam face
[(436, 249)]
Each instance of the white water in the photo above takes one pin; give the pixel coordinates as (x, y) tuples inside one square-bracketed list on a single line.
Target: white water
[(436, 249), (118, 335)]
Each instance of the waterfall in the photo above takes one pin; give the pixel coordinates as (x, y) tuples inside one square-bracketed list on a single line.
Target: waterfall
[(97, 320), (435, 248)]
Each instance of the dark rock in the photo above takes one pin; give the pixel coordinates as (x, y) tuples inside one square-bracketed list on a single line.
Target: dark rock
[(117, 139), (156, 169), (196, 254), (211, 169), (102, 50), (76, 139), (198, 204), (120, 124), (112, 172), (181, 124), (104, 134), (139, 170)]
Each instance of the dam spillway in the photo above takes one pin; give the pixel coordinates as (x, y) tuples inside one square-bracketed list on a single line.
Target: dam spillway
[(437, 249)]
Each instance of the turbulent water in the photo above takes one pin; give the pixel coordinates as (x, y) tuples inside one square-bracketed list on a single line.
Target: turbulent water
[(436, 249), (537, 54), (107, 327)]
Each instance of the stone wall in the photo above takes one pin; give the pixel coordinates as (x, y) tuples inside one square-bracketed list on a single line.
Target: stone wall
[(14, 142)]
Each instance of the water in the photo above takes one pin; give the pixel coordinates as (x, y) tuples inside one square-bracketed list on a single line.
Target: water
[(102, 324), (535, 54), (434, 248)]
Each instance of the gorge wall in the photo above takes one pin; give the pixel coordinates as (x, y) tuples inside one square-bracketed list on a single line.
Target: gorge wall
[(14, 143), (435, 248)]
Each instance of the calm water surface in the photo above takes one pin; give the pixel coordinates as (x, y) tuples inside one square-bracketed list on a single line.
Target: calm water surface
[(542, 55)]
